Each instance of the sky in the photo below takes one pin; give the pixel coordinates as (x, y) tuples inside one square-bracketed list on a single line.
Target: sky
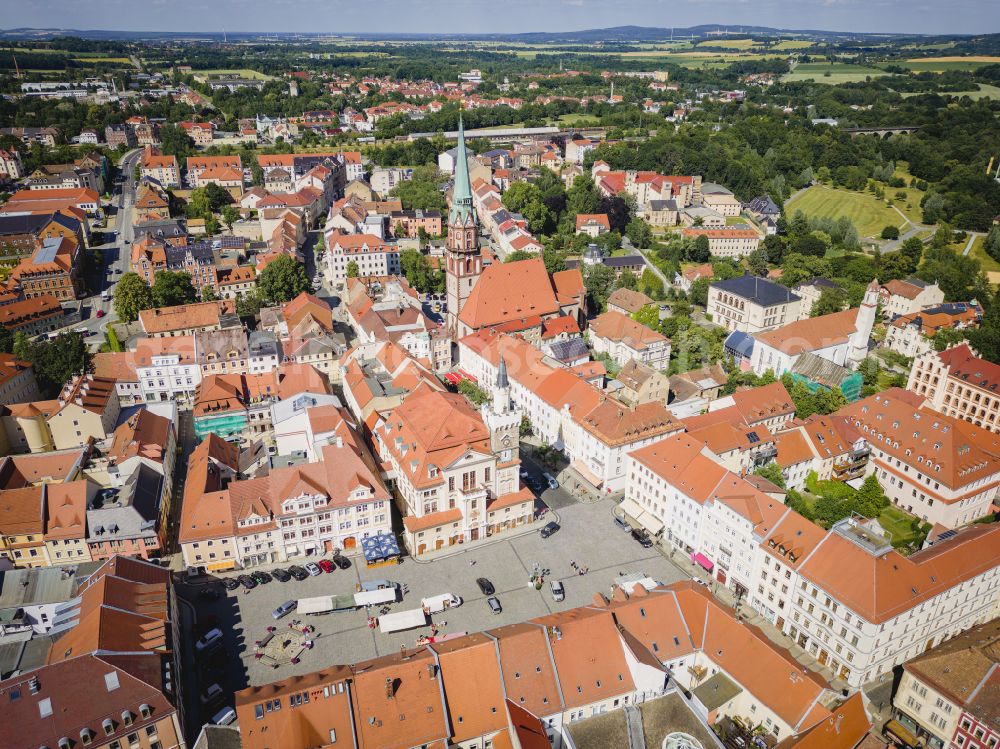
[(501, 16)]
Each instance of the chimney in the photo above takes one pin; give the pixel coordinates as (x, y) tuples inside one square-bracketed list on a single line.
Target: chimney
[(390, 691)]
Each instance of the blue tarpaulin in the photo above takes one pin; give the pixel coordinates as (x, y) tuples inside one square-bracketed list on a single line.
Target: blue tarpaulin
[(380, 547)]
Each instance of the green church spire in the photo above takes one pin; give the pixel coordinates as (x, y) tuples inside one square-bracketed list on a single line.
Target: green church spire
[(461, 196)]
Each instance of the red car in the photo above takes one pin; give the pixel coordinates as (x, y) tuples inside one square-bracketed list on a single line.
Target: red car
[(100, 313), (326, 565)]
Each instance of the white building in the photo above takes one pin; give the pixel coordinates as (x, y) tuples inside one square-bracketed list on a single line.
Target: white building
[(167, 369), (373, 256)]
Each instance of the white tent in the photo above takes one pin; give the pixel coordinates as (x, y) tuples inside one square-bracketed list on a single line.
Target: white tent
[(375, 597), (402, 620), (316, 605)]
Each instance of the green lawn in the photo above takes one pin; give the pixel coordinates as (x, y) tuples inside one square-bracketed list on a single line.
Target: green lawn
[(940, 64), (989, 264), (869, 214), (899, 525), (839, 72), (577, 118)]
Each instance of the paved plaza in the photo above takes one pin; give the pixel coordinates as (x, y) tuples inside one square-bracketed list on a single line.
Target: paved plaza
[(587, 536)]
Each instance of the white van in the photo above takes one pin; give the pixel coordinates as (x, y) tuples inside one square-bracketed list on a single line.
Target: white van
[(435, 604), (209, 640), (224, 717)]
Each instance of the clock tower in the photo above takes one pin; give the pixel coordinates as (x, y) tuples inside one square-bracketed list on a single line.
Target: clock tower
[(503, 421), (464, 260)]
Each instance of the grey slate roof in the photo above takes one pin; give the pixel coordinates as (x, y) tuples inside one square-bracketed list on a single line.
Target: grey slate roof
[(571, 348), (755, 289)]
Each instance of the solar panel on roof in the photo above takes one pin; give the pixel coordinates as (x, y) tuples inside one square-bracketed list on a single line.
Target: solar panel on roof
[(752, 436)]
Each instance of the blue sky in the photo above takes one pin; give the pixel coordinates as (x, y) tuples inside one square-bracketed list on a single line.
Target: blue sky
[(507, 16)]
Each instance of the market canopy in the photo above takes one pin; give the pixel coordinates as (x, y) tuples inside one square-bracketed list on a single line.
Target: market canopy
[(380, 547)]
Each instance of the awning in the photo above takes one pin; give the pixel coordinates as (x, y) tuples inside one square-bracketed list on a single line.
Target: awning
[(380, 547), (901, 732), (227, 564), (652, 523), (702, 561), (580, 467), (453, 378), (631, 509)]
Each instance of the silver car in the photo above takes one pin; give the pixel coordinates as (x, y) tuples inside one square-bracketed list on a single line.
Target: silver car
[(284, 609), (313, 569)]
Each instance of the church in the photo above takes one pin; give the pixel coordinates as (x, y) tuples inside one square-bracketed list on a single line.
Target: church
[(520, 294)]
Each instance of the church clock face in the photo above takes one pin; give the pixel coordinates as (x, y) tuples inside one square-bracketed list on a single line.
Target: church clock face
[(506, 440)]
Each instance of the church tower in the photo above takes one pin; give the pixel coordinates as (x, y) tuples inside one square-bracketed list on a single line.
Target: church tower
[(501, 419), (858, 345), (464, 260)]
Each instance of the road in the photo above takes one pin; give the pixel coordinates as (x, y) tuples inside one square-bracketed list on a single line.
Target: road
[(667, 282)]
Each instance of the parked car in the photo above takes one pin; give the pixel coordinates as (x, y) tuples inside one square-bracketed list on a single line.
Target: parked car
[(524, 473), (494, 603), (557, 590), (286, 608), (343, 562), (209, 640), (100, 313), (230, 583), (281, 575), (700, 581), (224, 717), (326, 565), (212, 694), (260, 576), (297, 572), (486, 586), (549, 529), (551, 480), (643, 538), (620, 522), (247, 582), (313, 569)]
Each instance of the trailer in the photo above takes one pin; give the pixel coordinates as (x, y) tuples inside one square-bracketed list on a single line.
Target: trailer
[(375, 597), (435, 604), (401, 620), (325, 604)]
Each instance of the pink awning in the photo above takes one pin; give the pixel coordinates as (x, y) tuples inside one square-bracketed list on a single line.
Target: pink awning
[(702, 561)]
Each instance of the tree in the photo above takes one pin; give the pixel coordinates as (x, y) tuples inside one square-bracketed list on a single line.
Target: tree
[(699, 292), (55, 361), (947, 337), (172, 289), (772, 472), (986, 338), (830, 300), (600, 282), (248, 304), (132, 295), (208, 294), (473, 392), (890, 232), (230, 215), (757, 262), (352, 269), (699, 251), (650, 284), (639, 233), (992, 243), (175, 142), (870, 499), (648, 316), (282, 280)]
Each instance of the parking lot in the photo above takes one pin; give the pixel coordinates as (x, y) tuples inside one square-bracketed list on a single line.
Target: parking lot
[(587, 536)]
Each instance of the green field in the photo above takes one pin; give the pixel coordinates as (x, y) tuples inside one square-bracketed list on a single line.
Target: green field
[(727, 43), (977, 252), (940, 64), (869, 214), (792, 44), (839, 72), (577, 119), (244, 73)]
